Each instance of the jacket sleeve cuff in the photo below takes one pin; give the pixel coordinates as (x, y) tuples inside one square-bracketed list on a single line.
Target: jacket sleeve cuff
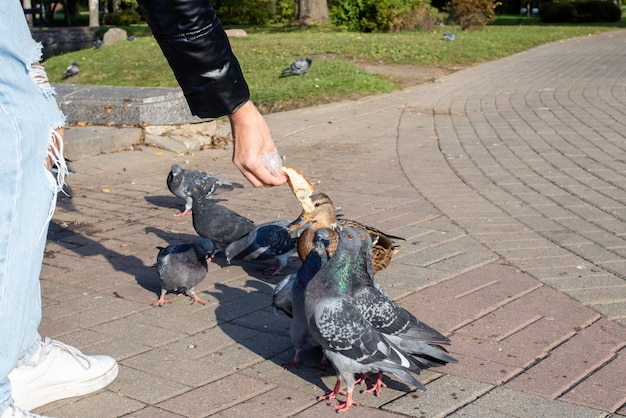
[(201, 58)]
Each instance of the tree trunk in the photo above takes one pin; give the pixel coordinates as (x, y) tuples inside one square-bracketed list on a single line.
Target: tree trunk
[(26, 5), (309, 12), (94, 20)]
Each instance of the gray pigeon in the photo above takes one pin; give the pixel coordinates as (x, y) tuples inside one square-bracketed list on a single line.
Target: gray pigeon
[(182, 266), (449, 36), (181, 181), (216, 222), (298, 67), (289, 294), (71, 70), (349, 341), (420, 341), (97, 43), (271, 240)]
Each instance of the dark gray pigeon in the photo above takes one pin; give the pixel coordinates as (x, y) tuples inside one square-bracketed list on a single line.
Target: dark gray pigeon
[(216, 222), (401, 327), (349, 341), (268, 241), (289, 294), (97, 43), (298, 67), (181, 181), (71, 70), (182, 266)]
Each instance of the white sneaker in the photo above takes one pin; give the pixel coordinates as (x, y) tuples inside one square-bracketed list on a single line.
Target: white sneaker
[(58, 371), (14, 412)]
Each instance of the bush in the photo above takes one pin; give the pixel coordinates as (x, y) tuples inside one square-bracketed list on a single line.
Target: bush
[(580, 12), (125, 17), (383, 15), (557, 12), (471, 13), (255, 12)]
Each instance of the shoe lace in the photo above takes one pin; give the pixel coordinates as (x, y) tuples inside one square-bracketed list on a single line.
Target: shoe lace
[(49, 345)]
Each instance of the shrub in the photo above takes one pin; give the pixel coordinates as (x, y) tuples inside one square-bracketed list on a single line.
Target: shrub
[(471, 13), (557, 12), (124, 17), (255, 12), (580, 12), (383, 15)]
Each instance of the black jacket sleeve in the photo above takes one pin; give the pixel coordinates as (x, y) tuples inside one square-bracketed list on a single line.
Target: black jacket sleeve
[(198, 51)]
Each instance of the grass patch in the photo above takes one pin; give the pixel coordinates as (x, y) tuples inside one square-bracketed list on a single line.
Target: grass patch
[(335, 73)]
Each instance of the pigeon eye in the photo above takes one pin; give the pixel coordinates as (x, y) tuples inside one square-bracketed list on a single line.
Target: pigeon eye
[(361, 236), (350, 236)]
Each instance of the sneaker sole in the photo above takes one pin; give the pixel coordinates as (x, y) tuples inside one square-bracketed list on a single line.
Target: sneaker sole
[(55, 393)]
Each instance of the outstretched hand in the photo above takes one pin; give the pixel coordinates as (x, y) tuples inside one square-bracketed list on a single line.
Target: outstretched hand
[(252, 140)]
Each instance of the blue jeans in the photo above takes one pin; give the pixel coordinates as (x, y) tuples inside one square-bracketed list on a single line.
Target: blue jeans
[(28, 116)]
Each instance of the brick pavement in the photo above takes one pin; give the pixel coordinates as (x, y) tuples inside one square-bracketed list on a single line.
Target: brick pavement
[(508, 182)]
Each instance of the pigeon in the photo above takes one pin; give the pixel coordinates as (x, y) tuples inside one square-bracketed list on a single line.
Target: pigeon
[(271, 240), (181, 181), (422, 342), (131, 38), (71, 70), (289, 295), (449, 36), (324, 215), (215, 222), (97, 43), (298, 67), (182, 266), (349, 341)]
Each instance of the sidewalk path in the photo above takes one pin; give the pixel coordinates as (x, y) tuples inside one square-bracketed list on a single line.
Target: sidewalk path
[(508, 181)]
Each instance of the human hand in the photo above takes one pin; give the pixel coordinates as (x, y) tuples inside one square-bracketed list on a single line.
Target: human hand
[(252, 141)]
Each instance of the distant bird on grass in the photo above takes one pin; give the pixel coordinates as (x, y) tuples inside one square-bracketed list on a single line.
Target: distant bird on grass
[(181, 181), (131, 38), (182, 266), (97, 43), (449, 36), (298, 67), (71, 70)]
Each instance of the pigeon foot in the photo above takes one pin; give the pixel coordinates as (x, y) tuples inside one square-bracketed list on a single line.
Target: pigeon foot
[(333, 395), (378, 385), (183, 213), (295, 362), (160, 302), (341, 407)]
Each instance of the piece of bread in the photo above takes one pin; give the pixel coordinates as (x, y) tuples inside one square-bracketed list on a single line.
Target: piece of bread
[(300, 186)]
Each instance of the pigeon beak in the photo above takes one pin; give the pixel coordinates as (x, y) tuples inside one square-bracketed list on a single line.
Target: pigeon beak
[(302, 219)]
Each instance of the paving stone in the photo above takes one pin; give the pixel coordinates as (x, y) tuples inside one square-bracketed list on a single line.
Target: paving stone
[(475, 293), (103, 403), (603, 389), (511, 403), (217, 396), (144, 387), (572, 361), (442, 397), (276, 402), (152, 412)]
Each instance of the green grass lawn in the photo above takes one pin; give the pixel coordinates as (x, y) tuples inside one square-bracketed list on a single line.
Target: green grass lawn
[(334, 75)]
